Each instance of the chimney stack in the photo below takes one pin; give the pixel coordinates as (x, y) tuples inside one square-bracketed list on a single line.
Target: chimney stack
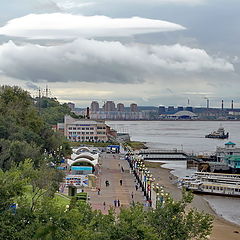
[(232, 105), (88, 115), (222, 105)]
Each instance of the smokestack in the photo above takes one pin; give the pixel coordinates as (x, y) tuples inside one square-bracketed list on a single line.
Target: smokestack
[(222, 105), (232, 105), (207, 103), (88, 115)]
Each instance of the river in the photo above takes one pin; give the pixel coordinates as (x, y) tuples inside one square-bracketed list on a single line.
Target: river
[(187, 136)]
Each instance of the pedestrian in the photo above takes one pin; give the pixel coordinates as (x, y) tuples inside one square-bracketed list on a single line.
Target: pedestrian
[(132, 195), (121, 182), (104, 205), (98, 191), (115, 203), (118, 203), (122, 169), (107, 183), (136, 186)]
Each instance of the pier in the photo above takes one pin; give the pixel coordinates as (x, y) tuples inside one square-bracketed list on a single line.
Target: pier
[(164, 154)]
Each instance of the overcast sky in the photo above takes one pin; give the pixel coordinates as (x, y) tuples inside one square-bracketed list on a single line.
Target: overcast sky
[(154, 52)]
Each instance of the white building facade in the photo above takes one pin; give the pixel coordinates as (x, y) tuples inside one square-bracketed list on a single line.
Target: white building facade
[(85, 130)]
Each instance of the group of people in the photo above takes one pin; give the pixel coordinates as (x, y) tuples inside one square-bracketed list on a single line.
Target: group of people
[(116, 203)]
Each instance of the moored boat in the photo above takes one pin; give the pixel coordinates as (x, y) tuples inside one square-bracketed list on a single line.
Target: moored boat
[(213, 183)]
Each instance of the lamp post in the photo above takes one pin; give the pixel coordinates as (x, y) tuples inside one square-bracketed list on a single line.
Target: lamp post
[(149, 187), (161, 195)]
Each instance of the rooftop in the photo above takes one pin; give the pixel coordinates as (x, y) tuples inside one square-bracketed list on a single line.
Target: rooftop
[(230, 143)]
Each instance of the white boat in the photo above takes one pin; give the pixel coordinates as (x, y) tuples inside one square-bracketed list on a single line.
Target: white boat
[(213, 183)]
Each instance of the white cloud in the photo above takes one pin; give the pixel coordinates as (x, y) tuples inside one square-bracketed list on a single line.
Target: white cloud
[(95, 61), (185, 2), (72, 4), (64, 26)]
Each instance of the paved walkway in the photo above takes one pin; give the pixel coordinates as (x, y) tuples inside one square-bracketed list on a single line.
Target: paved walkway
[(111, 170)]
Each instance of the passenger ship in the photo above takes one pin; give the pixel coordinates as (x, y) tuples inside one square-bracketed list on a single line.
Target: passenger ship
[(213, 183)]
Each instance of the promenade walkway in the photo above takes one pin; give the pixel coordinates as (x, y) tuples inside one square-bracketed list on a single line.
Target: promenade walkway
[(111, 170)]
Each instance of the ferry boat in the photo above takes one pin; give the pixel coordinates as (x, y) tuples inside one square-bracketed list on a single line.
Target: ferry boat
[(213, 183), (220, 134)]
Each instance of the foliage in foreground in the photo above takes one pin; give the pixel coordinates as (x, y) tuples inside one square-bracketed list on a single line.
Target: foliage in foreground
[(41, 217)]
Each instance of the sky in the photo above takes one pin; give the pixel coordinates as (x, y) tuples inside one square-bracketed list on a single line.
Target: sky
[(155, 52)]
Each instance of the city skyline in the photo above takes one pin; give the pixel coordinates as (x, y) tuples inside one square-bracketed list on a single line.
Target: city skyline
[(157, 52), (221, 104)]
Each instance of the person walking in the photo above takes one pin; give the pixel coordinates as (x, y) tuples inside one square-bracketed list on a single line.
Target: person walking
[(132, 195), (98, 191), (121, 182), (107, 183), (115, 202), (104, 205), (136, 186), (118, 203)]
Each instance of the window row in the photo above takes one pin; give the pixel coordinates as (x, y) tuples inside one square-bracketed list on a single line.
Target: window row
[(101, 133), (79, 128), (83, 138), (81, 133)]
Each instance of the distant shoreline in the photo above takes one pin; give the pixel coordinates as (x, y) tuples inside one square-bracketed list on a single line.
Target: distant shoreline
[(169, 120)]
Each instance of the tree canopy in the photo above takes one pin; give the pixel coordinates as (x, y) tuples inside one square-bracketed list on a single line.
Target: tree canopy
[(40, 216), (24, 133), (52, 111)]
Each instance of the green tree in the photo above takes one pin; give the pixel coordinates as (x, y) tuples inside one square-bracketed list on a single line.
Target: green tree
[(26, 134), (133, 224), (40, 217), (174, 221), (52, 111), (12, 187)]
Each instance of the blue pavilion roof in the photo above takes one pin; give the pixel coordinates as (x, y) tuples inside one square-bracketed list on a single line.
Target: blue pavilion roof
[(230, 143)]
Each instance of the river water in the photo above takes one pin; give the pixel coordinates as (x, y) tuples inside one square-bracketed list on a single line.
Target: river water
[(187, 136)]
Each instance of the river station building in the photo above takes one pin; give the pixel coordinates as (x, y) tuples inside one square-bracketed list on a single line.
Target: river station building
[(77, 130)]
